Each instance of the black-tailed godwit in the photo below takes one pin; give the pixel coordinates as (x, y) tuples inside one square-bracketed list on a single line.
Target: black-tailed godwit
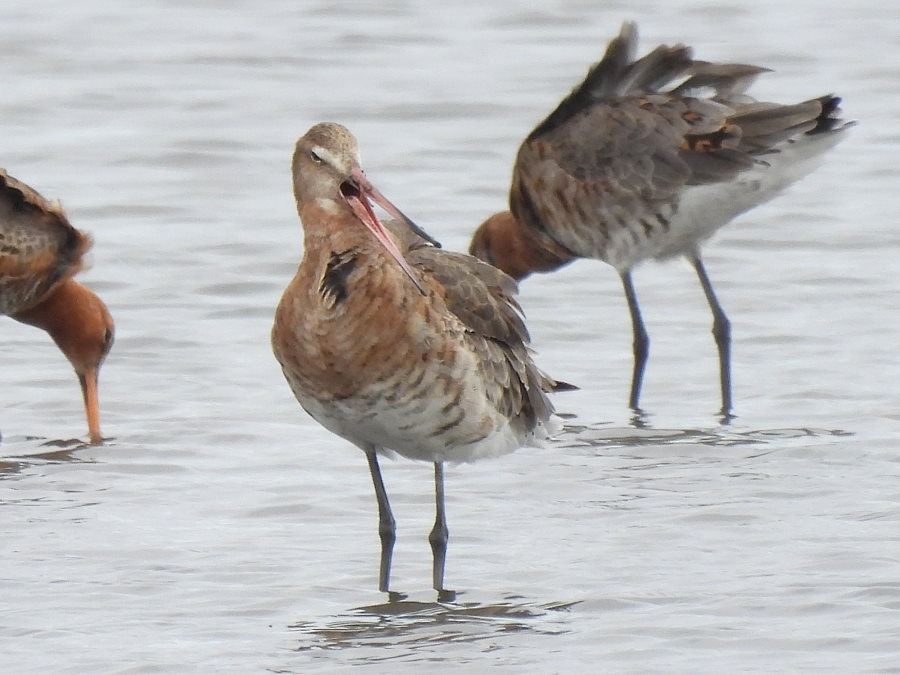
[(396, 345), (40, 253), (646, 159)]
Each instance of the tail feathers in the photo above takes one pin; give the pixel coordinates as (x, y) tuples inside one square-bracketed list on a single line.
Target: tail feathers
[(763, 126), (829, 118), (548, 384), (802, 152), (539, 414), (791, 136)]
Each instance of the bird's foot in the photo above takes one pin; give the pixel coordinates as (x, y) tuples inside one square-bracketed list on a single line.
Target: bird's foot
[(445, 595), (395, 596)]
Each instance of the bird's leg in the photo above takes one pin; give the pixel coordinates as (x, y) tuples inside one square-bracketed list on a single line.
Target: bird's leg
[(387, 530), (641, 343), (439, 536), (721, 332)]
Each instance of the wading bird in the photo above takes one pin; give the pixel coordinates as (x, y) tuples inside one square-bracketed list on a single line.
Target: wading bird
[(40, 253), (395, 344), (646, 159)]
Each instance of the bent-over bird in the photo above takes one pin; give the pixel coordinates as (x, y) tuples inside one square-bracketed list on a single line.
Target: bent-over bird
[(40, 253), (646, 159)]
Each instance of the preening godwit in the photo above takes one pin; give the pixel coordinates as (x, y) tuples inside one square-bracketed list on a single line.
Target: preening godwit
[(396, 345), (40, 252), (647, 159)]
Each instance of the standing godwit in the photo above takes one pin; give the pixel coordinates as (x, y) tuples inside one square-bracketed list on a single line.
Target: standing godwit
[(647, 159), (40, 252), (396, 345)]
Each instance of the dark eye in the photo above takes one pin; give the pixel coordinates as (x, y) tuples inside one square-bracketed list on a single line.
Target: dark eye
[(314, 157)]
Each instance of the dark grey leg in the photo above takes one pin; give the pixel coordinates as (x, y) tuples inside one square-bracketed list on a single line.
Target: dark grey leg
[(721, 332), (641, 343), (387, 530), (439, 536)]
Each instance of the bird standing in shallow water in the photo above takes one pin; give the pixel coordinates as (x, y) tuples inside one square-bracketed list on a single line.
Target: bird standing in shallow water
[(396, 345), (624, 170), (40, 252)]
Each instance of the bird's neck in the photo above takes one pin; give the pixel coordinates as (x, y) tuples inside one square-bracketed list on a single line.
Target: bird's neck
[(344, 268), (526, 250), (68, 314), (339, 322), (52, 312), (330, 227)]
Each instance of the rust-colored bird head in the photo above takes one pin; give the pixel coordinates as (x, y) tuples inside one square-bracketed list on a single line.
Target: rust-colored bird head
[(505, 243), (327, 171), (86, 348), (83, 329)]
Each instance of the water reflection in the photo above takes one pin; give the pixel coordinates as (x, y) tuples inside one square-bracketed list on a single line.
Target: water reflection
[(414, 623), (595, 436), (64, 451)]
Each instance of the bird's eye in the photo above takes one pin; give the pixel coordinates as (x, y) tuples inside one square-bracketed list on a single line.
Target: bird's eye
[(314, 157)]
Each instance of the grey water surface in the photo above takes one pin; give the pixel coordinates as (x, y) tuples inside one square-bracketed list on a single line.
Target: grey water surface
[(221, 530)]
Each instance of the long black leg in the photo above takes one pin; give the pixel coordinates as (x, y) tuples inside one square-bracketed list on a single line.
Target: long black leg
[(387, 530), (439, 536), (721, 332), (641, 343)]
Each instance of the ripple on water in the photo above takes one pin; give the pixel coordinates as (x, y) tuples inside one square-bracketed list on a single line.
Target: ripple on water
[(407, 626)]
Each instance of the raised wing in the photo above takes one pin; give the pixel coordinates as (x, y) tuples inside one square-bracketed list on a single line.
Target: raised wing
[(619, 148)]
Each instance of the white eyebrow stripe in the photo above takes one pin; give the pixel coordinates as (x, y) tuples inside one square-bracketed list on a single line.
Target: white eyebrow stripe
[(326, 155)]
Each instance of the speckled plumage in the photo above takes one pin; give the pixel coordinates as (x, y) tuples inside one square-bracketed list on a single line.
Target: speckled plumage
[(429, 360), (38, 247), (646, 159), (40, 253), (442, 377)]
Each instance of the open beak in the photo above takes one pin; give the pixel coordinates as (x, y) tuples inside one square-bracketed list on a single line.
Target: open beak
[(356, 192), (88, 383), (375, 195)]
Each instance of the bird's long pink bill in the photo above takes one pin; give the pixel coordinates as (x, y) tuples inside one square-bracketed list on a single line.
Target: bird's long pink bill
[(356, 194), (375, 194)]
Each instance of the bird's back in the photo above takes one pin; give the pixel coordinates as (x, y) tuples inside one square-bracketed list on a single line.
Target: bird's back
[(38, 247), (647, 157)]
